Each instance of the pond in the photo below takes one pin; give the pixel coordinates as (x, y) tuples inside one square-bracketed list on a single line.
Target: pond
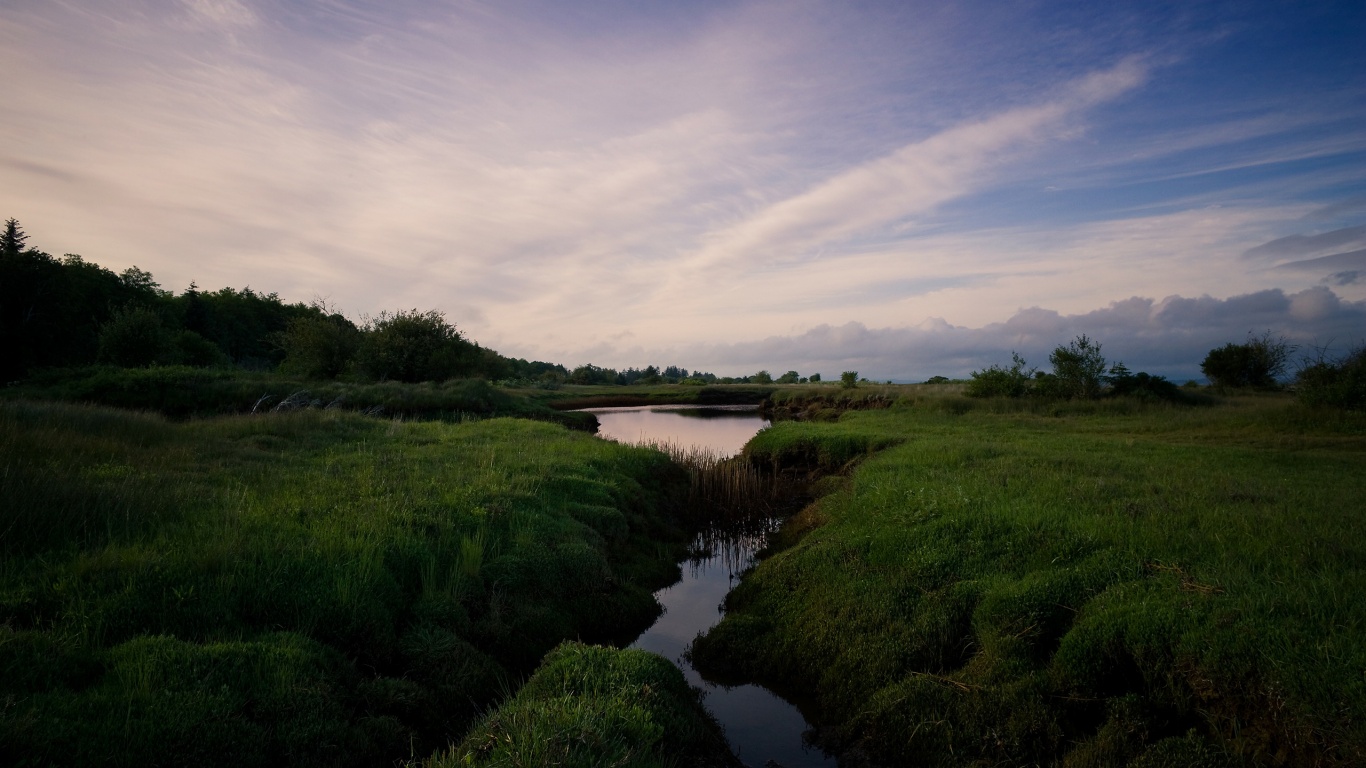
[(762, 728)]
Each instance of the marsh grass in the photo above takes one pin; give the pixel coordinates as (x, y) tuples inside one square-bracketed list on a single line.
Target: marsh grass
[(302, 587), (1113, 583), (722, 490)]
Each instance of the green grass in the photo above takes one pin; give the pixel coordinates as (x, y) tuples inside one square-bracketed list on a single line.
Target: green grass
[(1107, 583), (589, 706), (310, 587), (182, 392)]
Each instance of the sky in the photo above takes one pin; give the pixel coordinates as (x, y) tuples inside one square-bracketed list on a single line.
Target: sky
[(905, 189)]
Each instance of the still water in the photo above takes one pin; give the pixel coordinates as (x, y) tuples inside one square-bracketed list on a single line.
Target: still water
[(763, 729)]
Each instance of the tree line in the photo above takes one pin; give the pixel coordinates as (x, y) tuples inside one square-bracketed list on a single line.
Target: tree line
[(66, 312), (1262, 362)]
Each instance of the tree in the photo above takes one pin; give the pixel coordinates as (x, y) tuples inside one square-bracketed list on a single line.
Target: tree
[(1078, 369), (815, 378), (849, 379), (13, 240), (788, 378), (413, 346), (762, 377), (1258, 362), (1334, 383)]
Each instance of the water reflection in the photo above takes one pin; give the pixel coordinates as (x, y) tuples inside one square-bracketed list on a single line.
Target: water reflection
[(724, 428), (762, 728)]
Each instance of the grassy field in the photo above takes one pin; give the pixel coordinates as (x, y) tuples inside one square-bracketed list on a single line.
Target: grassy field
[(312, 587), (1109, 583)]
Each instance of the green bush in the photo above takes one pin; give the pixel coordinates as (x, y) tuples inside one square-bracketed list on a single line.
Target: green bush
[(413, 346), (1340, 384), (997, 381), (1258, 362), (1078, 369), (319, 347), (133, 338)]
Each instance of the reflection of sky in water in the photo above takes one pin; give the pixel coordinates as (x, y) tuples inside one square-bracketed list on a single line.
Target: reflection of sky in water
[(725, 430), (760, 726)]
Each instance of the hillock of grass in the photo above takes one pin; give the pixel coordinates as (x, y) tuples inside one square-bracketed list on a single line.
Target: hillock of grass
[(312, 587), (1100, 583), (589, 706)]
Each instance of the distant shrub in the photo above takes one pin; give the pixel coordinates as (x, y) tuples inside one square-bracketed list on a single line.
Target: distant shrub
[(815, 378), (319, 347), (189, 348), (849, 379), (1257, 362), (997, 381), (1078, 369), (1340, 384), (413, 346), (1144, 385), (762, 377), (133, 338)]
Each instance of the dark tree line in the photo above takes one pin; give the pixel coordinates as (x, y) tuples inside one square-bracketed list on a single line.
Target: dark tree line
[(70, 312)]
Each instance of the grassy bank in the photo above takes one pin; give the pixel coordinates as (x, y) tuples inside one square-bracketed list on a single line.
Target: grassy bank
[(305, 587), (590, 706), (182, 392), (610, 396), (1106, 583)]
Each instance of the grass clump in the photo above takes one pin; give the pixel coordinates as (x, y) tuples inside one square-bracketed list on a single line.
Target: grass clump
[(590, 706), (1082, 584), (302, 587)]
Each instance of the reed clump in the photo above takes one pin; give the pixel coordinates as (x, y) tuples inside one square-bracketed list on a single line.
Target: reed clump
[(723, 489)]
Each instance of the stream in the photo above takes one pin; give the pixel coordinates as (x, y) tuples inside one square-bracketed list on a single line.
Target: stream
[(762, 728)]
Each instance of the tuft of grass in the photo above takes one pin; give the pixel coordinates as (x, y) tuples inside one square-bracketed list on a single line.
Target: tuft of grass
[(589, 706)]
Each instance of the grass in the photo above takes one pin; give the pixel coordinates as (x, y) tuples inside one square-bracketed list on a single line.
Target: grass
[(1109, 583), (304, 587), (183, 392), (589, 706)]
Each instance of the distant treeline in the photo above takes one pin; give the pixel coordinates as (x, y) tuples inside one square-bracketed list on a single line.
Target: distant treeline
[(65, 312)]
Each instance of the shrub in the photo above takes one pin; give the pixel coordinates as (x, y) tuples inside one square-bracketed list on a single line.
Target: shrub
[(1001, 382), (133, 338), (1077, 369), (413, 346), (762, 377), (321, 347), (1258, 362), (1340, 384), (849, 379)]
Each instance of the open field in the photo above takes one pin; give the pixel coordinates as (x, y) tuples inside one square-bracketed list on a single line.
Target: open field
[(306, 588), (995, 582)]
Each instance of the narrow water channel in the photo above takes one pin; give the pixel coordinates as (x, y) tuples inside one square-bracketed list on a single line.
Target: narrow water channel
[(762, 728)]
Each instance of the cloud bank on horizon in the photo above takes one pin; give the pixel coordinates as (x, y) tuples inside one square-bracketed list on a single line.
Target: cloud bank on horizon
[(905, 189)]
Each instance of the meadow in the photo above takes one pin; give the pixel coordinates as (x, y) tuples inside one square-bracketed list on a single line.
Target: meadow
[(1089, 583), (312, 586)]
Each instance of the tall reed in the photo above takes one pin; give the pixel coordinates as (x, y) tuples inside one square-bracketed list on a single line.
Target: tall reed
[(722, 490)]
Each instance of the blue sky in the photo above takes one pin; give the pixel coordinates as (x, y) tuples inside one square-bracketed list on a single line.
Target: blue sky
[(905, 189)]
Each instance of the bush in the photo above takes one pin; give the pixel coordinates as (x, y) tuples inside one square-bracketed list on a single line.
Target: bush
[(849, 379), (1001, 382), (1077, 369), (413, 346), (1340, 384), (1258, 362), (762, 377), (321, 347), (133, 338)]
